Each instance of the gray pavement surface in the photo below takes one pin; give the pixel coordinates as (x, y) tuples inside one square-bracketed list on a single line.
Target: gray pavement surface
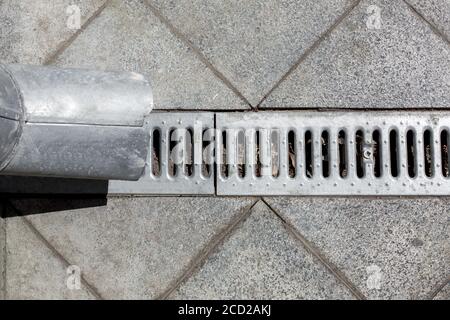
[(236, 55)]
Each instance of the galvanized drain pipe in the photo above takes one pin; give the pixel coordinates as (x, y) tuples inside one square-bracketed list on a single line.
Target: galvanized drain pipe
[(73, 123)]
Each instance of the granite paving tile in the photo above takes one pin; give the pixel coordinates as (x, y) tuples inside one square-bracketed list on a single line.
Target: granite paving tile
[(262, 261), (381, 56), (33, 270), (253, 43), (131, 248), (31, 31), (127, 36), (437, 12), (390, 248)]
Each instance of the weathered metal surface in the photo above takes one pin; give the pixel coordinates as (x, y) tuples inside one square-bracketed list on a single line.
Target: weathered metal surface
[(11, 114), (419, 166), (73, 123), (57, 95), (56, 150)]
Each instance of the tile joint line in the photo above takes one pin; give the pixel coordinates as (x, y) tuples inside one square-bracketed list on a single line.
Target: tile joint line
[(55, 252), (438, 288), (197, 52), (310, 50), (432, 26), (339, 275), (202, 257), (67, 43)]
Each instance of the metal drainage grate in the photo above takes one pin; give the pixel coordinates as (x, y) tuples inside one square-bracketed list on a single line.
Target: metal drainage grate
[(333, 153), (282, 153), (177, 162)]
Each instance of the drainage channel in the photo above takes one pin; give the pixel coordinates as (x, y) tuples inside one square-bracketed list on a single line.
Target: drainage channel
[(286, 153)]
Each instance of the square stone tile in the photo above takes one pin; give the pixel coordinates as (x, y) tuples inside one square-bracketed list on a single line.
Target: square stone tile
[(31, 31), (127, 36), (253, 43), (33, 270), (437, 12), (130, 248), (396, 63), (389, 248), (261, 260)]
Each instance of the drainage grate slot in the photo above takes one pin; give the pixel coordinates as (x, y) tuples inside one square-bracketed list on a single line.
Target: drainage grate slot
[(173, 153), (377, 156), (275, 153), (309, 165), (156, 153), (342, 142), (394, 154), (188, 156), (325, 141), (359, 140), (411, 153), (258, 167), (241, 153), (428, 153), (292, 154), (223, 146), (207, 151), (444, 152)]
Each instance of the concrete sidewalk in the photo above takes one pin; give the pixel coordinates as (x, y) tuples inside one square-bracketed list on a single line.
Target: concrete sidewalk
[(236, 55)]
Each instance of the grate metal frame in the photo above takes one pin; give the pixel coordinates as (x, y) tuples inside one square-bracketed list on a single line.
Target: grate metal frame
[(165, 184), (334, 184)]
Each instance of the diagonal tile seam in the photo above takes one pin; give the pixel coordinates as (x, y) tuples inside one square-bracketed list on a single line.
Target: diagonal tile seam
[(179, 35), (313, 250), (310, 50), (66, 44), (421, 17), (437, 289), (91, 288), (200, 259)]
